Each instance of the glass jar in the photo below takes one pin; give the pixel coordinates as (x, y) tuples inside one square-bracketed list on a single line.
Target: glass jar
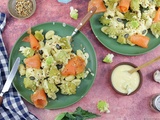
[(155, 102)]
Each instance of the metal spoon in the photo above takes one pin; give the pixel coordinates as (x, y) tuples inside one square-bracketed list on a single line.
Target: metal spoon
[(84, 20), (144, 65)]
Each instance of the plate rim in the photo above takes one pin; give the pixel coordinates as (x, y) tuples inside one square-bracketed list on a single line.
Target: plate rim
[(113, 50)]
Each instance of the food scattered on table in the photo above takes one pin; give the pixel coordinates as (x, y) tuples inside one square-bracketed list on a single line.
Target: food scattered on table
[(51, 64), (24, 7), (156, 76), (73, 13), (103, 106), (129, 21), (99, 4), (123, 81), (108, 58), (78, 114)]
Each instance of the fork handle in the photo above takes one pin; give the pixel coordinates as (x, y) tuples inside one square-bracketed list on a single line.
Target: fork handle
[(85, 19)]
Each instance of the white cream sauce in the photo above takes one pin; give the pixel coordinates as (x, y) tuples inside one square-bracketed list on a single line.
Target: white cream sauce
[(123, 81)]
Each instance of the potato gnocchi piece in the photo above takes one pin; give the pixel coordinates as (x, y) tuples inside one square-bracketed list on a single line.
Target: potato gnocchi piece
[(49, 34)]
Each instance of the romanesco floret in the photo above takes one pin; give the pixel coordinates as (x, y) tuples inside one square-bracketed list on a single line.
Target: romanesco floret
[(73, 13), (38, 35), (50, 89), (68, 88), (29, 84), (104, 20), (26, 51), (155, 28), (103, 106), (108, 58), (49, 60)]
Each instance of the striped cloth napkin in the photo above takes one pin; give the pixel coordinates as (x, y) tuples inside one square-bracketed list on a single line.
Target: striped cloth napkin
[(13, 107)]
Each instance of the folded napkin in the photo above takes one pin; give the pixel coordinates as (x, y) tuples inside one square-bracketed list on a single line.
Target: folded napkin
[(13, 107)]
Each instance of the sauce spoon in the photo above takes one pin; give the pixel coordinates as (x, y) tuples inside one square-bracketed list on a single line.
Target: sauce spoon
[(144, 65)]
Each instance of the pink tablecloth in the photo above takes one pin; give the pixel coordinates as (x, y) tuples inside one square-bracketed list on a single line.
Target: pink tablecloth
[(135, 107)]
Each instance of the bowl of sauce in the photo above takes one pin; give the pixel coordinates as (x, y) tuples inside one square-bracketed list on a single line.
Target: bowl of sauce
[(123, 82)]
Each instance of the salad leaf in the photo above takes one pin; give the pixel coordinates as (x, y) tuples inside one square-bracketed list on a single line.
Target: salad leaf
[(78, 114)]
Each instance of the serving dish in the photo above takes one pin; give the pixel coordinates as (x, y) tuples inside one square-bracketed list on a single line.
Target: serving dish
[(79, 42), (114, 46), (122, 82)]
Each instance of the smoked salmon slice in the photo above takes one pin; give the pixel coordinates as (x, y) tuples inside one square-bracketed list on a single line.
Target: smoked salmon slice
[(33, 62), (157, 16), (33, 41), (39, 98), (139, 40), (99, 4), (123, 5), (75, 66)]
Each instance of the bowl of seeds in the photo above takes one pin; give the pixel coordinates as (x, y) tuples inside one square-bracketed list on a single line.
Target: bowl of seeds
[(21, 9)]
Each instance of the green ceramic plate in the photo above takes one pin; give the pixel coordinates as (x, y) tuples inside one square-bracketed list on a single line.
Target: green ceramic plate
[(116, 47), (79, 42)]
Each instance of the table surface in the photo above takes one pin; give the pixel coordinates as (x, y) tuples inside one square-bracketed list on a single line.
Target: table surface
[(134, 107)]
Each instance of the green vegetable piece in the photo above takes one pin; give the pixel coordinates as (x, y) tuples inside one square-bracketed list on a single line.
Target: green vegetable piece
[(49, 60), (135, 5), (157, 3), (130, 16), (111, 31), (73, 13), (155, 28), (121, 39), (78, 114), (29, 84), (60, 116), (80, 75), (53, 71), (68, 88), (103, 106), (104, 20), (108, 58), (110, 3), (39, 36), (132, 24), (50, 89), (61, 56), (66, 43)]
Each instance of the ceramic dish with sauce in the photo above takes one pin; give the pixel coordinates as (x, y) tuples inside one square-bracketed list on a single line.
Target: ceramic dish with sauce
[(123, 82)]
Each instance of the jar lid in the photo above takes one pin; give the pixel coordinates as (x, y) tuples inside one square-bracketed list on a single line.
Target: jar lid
[(157, 102)]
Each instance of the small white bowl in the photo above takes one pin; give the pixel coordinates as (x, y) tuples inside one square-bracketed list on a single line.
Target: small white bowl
[(12, 9)]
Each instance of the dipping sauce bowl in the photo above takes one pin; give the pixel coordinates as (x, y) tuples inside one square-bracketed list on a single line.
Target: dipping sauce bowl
[(122, 81)]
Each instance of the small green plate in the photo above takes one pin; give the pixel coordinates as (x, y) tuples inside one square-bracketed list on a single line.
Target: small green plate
[(79, 42), (114, 46)]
